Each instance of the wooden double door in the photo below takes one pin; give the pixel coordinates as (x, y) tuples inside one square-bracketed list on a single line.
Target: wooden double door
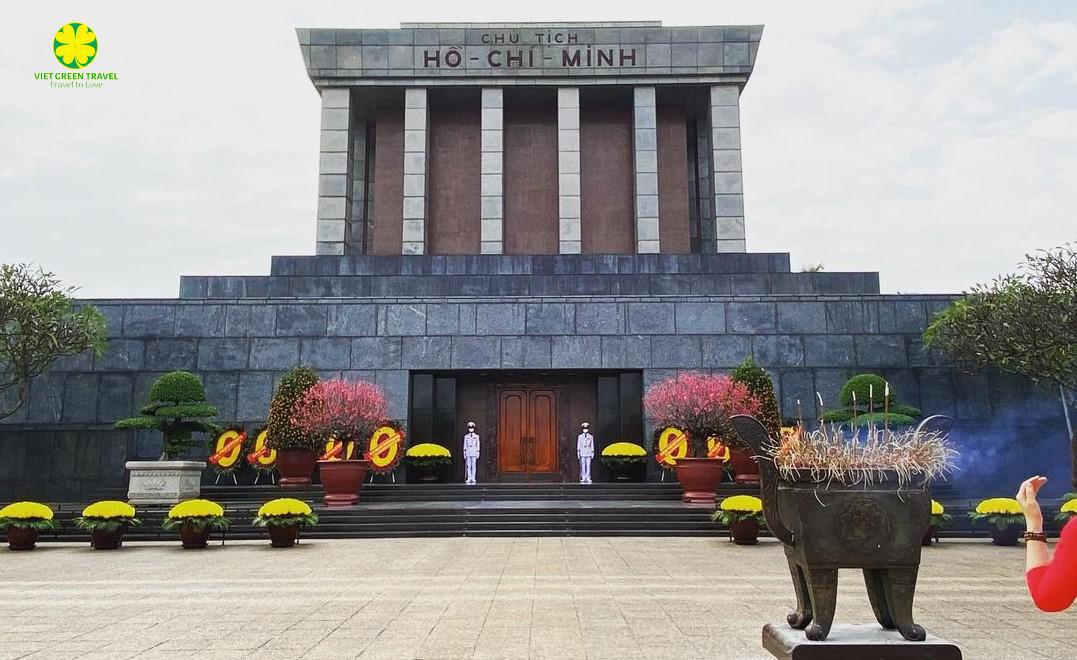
[(527, 431)]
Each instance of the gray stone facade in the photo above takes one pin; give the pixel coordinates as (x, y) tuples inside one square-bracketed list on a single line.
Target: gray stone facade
[(241, 343)]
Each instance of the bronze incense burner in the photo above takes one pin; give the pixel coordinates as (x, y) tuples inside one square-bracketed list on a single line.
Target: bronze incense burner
[(877, 527)]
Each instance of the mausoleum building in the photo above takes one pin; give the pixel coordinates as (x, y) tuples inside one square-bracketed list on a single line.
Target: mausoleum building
[(521, 225)]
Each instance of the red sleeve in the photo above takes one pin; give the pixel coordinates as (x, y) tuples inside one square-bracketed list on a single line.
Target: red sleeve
[(1054, 587)]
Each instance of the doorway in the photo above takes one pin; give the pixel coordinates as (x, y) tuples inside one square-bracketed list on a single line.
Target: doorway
[(527, 431)]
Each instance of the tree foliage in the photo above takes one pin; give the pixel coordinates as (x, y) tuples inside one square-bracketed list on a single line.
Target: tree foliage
[(700, 405), (1024, 323), (39, 323), (758, 382), (178, 409), (282, 433), (345, 410)]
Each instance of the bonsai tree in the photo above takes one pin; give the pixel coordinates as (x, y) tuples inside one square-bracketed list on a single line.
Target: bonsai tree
[(39, 323), (870, 399), (178, 409), (282, 434), (700, 405), (1021, 323), (758, 382), (347, 411)]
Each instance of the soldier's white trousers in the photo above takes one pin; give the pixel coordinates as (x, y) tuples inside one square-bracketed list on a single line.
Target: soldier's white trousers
[(585, 469), (469, 468)]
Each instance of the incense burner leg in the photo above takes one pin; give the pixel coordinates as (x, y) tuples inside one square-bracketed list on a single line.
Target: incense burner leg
[(823, 587), (803, 614), (873, 579), (900, 586)]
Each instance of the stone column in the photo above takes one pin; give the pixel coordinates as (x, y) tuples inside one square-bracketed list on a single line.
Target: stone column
[(645, 159), (334, 171), (705, 173), (725, 150), (568, 169), (492, 206), (355, 234), (416, 122)]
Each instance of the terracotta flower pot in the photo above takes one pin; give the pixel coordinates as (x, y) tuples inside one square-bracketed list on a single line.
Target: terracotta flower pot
[(744, 532), (102, 539), (192, 538), (929, 536), (283, 536), (21, 538), (744, 466), (342, 481), (295, 467), (1006, 536), (699, 478)]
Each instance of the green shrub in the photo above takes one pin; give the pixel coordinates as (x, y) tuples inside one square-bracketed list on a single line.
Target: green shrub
[(178, 387), (837, 416), (867, 387), (758, 382), (178, 409), (902, 409), (282, 433), (882, 419)]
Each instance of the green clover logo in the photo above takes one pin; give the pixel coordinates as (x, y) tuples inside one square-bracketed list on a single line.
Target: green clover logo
[(75, 45)]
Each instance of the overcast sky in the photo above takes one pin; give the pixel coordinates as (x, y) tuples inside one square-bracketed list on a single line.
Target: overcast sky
[(935, 142)]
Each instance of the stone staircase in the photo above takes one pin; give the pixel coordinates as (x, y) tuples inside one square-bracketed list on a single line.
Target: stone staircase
[(726, 274), (501, 509)]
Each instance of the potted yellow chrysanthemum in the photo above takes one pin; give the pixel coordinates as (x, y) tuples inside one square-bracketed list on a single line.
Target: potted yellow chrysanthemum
[(22, 521), (107, 521), (1004, 518), (939, 519), (1067, 511), (427, 461), (195, 519), (742, 514), (283, 517), (626, 461)]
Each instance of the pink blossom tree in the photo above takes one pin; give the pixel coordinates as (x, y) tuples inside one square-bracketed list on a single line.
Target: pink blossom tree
[(341, 409), (700, 405)]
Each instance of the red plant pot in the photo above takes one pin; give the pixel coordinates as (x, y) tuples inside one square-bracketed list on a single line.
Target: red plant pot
[(929, 535), (21, 538), (744, 532), (295, 467), (283, 536), (192, 538), (110, 539), (342, 481), (744, 466), (699, 478)]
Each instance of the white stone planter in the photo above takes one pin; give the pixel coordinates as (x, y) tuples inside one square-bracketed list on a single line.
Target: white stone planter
[(164, 482)]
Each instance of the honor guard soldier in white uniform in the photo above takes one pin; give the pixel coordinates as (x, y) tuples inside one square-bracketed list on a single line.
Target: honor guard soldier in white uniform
[(471, 453), (585, 451)]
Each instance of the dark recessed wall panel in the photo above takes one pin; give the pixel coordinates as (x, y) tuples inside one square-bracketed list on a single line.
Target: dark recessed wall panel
[(388, 181), (606, 172), (453, 190), (530, 173), (673, 227)]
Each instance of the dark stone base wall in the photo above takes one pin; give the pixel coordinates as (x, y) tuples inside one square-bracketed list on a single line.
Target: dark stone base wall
[(242, 346)]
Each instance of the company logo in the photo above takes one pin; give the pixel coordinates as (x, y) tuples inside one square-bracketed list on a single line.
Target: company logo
[(75, 45)]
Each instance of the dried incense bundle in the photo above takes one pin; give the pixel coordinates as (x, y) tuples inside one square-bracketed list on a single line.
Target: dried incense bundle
[(828, 455)]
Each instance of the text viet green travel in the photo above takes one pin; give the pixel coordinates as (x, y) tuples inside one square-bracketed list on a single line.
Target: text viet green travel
[(75, 75)]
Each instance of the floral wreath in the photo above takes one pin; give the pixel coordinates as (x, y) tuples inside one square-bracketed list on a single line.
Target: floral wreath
[(228, 449), (385, 448)]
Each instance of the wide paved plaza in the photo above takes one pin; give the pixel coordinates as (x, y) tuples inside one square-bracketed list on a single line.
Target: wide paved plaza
[(476, 598)]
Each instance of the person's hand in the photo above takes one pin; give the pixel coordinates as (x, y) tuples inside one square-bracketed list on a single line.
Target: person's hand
[(1026, 497)]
